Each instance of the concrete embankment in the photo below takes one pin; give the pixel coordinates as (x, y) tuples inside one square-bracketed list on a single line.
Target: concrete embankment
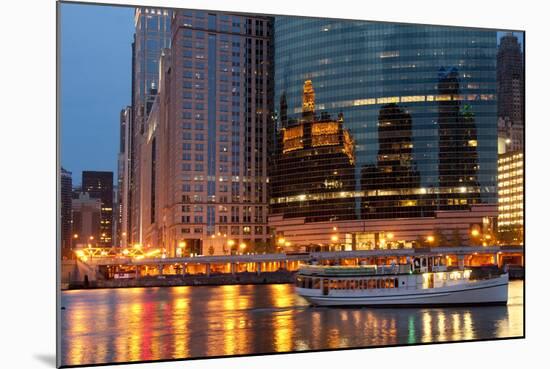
[(191, 280)]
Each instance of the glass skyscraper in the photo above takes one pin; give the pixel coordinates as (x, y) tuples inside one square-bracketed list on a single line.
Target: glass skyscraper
[(419, 104)]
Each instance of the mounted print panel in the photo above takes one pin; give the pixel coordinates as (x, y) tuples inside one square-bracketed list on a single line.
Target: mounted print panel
[(244, 184)]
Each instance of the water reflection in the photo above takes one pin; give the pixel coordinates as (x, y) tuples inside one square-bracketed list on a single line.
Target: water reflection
[(122, 325)]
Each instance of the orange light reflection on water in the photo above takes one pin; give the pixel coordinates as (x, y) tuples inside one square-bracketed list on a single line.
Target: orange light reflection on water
[(122, 325)]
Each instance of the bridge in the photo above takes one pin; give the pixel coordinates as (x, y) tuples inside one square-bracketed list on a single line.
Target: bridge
[(108, 264)]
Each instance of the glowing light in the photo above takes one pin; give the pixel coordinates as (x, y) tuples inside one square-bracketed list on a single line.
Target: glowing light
[(475, 232), (390, 236), (334, 238), (430, 239)]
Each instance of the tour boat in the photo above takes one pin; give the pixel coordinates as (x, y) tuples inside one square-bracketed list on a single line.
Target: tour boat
[(419, 283)]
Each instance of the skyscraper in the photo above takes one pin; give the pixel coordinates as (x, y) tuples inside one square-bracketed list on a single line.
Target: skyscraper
[(66, 211), (151, 36), (316, 159), (87, 218), (510, 89), (421, 105), (510, 197), (123, 181), (99, 185), (395, 169), (511, 125), (205, 148)]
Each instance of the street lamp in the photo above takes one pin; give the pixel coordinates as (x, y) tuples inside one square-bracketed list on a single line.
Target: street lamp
[(242, 246), (181, 248), (75, 237), (430, 239), (230, 243)]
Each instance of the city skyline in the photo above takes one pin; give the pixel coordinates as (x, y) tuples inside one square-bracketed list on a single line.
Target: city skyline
[(110, 59)]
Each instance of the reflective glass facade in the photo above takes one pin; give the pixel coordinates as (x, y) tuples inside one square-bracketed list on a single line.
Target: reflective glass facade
[(417, 102)]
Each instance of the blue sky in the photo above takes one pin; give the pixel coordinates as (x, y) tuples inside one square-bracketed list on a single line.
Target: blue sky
[(96, 60), (96, 84)]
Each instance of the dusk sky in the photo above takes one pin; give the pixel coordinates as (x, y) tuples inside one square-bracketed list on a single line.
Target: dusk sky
[(96, 84), (96, 62)]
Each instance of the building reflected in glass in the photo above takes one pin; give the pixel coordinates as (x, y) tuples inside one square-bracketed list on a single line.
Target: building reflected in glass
[(420, 108)]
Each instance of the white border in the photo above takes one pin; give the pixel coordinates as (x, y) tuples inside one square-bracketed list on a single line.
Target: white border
[(28, 181)]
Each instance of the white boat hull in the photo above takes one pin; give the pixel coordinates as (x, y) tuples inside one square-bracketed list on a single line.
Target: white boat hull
[(481, 292)]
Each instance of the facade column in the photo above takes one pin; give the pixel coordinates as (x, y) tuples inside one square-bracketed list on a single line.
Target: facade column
[(496, 260), (258, 268), (233, 268), (460, 261)]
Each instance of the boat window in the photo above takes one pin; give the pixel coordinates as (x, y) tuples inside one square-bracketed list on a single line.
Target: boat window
[(396, 283), (316, 283)]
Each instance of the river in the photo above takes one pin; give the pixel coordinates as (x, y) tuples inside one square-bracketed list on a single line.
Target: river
[(135, 324)]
